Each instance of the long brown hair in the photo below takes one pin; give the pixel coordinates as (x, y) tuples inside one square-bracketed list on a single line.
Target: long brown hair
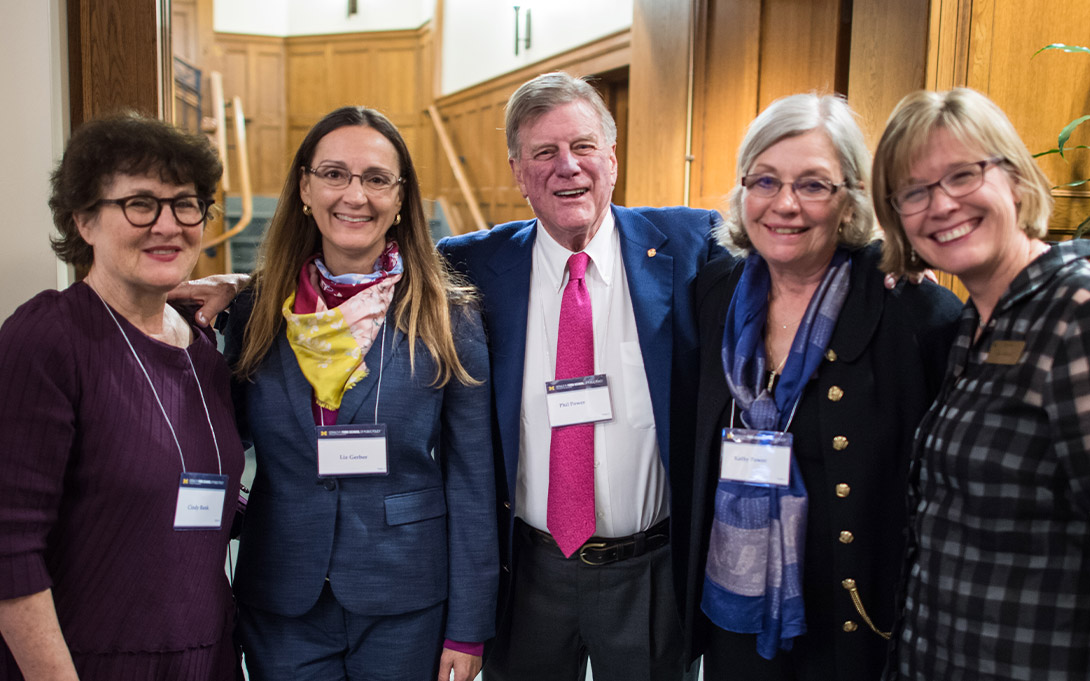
[(423, 299)]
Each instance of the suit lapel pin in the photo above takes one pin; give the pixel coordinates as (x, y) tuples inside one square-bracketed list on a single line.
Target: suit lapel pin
[(651, 252)]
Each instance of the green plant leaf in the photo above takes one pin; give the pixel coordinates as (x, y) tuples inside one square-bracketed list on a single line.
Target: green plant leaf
[(1068, 129), (1061, 46), (1076, 183), (1056, 151), (1082, 228)]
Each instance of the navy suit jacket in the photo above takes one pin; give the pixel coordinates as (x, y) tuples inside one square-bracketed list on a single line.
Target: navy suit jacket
[(662, 250), (389, 544)]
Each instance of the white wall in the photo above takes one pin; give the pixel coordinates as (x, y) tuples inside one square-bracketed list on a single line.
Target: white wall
[(254, 17), (33, 73), (314, 17), (479, 35)]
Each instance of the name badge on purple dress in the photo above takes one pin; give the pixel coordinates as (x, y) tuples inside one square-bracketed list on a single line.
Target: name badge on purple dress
[(201, 497), (352, 450)]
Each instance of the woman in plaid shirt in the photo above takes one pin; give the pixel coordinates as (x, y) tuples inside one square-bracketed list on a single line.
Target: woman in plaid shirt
[(998, 576)]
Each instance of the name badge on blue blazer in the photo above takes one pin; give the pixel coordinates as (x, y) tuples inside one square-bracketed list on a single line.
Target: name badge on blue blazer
[(352, 450)]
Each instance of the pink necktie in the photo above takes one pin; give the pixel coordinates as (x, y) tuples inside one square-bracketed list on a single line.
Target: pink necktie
[(570, 514)]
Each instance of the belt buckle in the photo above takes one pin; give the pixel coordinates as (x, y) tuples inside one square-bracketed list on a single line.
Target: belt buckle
[(585, 547)]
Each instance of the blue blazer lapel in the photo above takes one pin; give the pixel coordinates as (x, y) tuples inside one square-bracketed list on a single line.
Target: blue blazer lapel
[(353, 399), (507, 296), (650, 274), (299, 393)]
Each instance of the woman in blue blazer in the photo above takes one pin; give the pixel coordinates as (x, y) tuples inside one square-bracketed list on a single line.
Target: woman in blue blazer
[(370, 534)]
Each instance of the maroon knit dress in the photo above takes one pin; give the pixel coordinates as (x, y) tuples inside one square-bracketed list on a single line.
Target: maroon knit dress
[(89, 476)]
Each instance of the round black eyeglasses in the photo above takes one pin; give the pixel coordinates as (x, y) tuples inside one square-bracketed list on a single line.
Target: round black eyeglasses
[(142, 210)]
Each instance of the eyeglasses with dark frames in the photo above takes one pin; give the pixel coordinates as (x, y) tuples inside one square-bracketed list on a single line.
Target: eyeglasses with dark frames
[(805, 188), (374, 182), (961, 181), (143, 210)]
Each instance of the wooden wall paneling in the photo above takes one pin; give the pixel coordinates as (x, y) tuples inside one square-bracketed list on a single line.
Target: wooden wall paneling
[(253, 68), (888, 59), (114, 58), (948, 43), (351, 78), (749, 53), (307, 87), (265, 114), (474, 118), (378, 70), (394, 67), (615, 90), (726, 87), (426, 150), (1040, 94), (799, 48), (658, 102), (994, 43)]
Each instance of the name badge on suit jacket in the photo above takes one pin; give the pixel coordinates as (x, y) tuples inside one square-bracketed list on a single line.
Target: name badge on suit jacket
[(350, 450)]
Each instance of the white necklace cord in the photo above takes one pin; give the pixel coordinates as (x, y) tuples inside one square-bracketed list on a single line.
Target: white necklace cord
[(155, 392)]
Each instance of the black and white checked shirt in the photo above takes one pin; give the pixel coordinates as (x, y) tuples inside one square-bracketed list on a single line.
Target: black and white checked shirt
[(998, 581)]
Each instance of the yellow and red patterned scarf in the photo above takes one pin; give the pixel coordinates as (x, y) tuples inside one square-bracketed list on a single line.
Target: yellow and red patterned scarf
[(330, 344)]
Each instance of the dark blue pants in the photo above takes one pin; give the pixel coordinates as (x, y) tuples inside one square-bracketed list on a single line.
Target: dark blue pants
[(329, 643)]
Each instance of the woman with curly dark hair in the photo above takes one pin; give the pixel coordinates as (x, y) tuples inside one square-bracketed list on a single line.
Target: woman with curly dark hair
[(119, 457)]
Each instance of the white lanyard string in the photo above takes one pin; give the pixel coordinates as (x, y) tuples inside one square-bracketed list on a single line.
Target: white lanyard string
[(378, 388), (155, 392)]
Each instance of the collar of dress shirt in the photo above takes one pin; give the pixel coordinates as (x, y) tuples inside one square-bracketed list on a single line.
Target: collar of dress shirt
[(600, 249)]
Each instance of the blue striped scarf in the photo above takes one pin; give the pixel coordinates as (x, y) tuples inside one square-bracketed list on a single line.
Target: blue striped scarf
[(753, 579)]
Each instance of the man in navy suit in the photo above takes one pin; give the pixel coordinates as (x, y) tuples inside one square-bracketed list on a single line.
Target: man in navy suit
[(615, 598)]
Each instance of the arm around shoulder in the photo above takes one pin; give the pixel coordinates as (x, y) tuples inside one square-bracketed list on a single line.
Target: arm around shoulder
[(931, 314)]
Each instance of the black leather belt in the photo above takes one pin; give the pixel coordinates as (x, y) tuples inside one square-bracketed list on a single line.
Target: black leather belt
[(600, 551)]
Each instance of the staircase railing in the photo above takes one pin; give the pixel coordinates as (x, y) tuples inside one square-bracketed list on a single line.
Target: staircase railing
[(459, 173), (242, 156)]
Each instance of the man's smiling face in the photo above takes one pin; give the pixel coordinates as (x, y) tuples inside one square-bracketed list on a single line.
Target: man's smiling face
[(567, 170)]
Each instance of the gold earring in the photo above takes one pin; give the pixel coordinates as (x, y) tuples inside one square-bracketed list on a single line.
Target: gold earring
[(306, 209), (397, 219)]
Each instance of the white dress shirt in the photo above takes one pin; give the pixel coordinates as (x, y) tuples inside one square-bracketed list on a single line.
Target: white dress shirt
[(629, 479)]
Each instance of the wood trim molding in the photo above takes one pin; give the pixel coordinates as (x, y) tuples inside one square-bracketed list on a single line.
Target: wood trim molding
[(114, 58), (370, 37)]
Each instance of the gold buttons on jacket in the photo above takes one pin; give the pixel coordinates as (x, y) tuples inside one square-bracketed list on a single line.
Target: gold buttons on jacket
[(850, 626), (846, 537), (835, 393), (830, 355), (848, 584), (840, 443), (843, 490)]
